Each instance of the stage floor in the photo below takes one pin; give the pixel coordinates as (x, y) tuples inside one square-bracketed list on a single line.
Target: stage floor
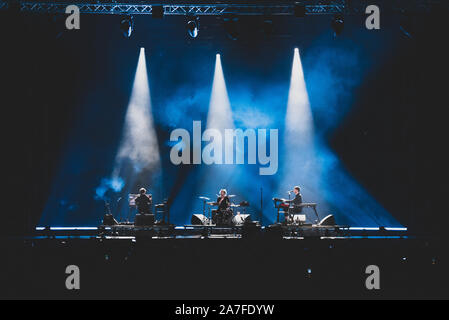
[(276, 231)]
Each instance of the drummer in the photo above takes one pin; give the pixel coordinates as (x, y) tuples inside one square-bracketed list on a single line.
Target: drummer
[(223, 201)]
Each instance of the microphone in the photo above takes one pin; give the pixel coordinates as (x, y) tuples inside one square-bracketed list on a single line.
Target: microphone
[(289, 191)]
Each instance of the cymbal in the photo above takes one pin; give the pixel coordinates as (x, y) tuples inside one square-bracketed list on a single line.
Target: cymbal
[(203, 198), (235, 205), (211, 203), (229, 196)]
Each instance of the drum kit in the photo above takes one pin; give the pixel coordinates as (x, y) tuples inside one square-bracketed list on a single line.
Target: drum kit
[(225, 217)]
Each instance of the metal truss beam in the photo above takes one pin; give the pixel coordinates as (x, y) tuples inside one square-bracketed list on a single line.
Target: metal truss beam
[(312, 7)]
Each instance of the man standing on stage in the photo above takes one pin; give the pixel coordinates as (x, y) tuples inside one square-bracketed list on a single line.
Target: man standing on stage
[(144, 202)]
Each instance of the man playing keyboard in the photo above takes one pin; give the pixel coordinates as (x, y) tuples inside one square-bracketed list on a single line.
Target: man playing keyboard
[(296, 202)]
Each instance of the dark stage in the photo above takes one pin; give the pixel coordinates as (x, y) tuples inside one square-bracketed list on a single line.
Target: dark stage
[(224, 268), (224, 150)]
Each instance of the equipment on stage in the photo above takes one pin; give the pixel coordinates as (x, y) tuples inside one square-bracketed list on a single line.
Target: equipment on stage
[(280, 202), (144, 220), (132, 203), (241, 219), (108, 220), (224, 217), (204, 199), (328, 221), (281, 206), (163, 209), (132, 199), (299, 219), (199, 219), (229, 196), (313, 206), (284, 207)]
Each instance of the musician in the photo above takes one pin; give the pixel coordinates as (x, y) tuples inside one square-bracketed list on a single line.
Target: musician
[(224, 212), (144, 202), (296, 201), (223, 201)]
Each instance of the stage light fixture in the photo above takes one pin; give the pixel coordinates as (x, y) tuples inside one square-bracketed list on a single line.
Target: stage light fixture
[(157, 12), (338, 24), (127, 26), (309, 273), (193, 26)]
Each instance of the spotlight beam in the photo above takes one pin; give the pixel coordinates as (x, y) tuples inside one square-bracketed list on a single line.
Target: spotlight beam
[(139, 145), (219, 116), (301, 165), (299, 121)]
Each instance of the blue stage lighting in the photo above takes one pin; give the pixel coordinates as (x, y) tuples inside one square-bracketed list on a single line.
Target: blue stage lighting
[(127, 26), (193, 26)]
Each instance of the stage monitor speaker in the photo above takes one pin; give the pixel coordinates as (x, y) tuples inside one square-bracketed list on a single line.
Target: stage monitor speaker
[(241, 219), (328, 221), (108, 220), (199, 219), (144, 220)]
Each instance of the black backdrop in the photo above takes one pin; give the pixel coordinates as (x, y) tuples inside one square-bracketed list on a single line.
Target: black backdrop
[(413, 186)]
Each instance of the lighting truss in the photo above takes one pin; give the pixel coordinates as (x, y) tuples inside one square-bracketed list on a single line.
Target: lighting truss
[(208, 7)]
